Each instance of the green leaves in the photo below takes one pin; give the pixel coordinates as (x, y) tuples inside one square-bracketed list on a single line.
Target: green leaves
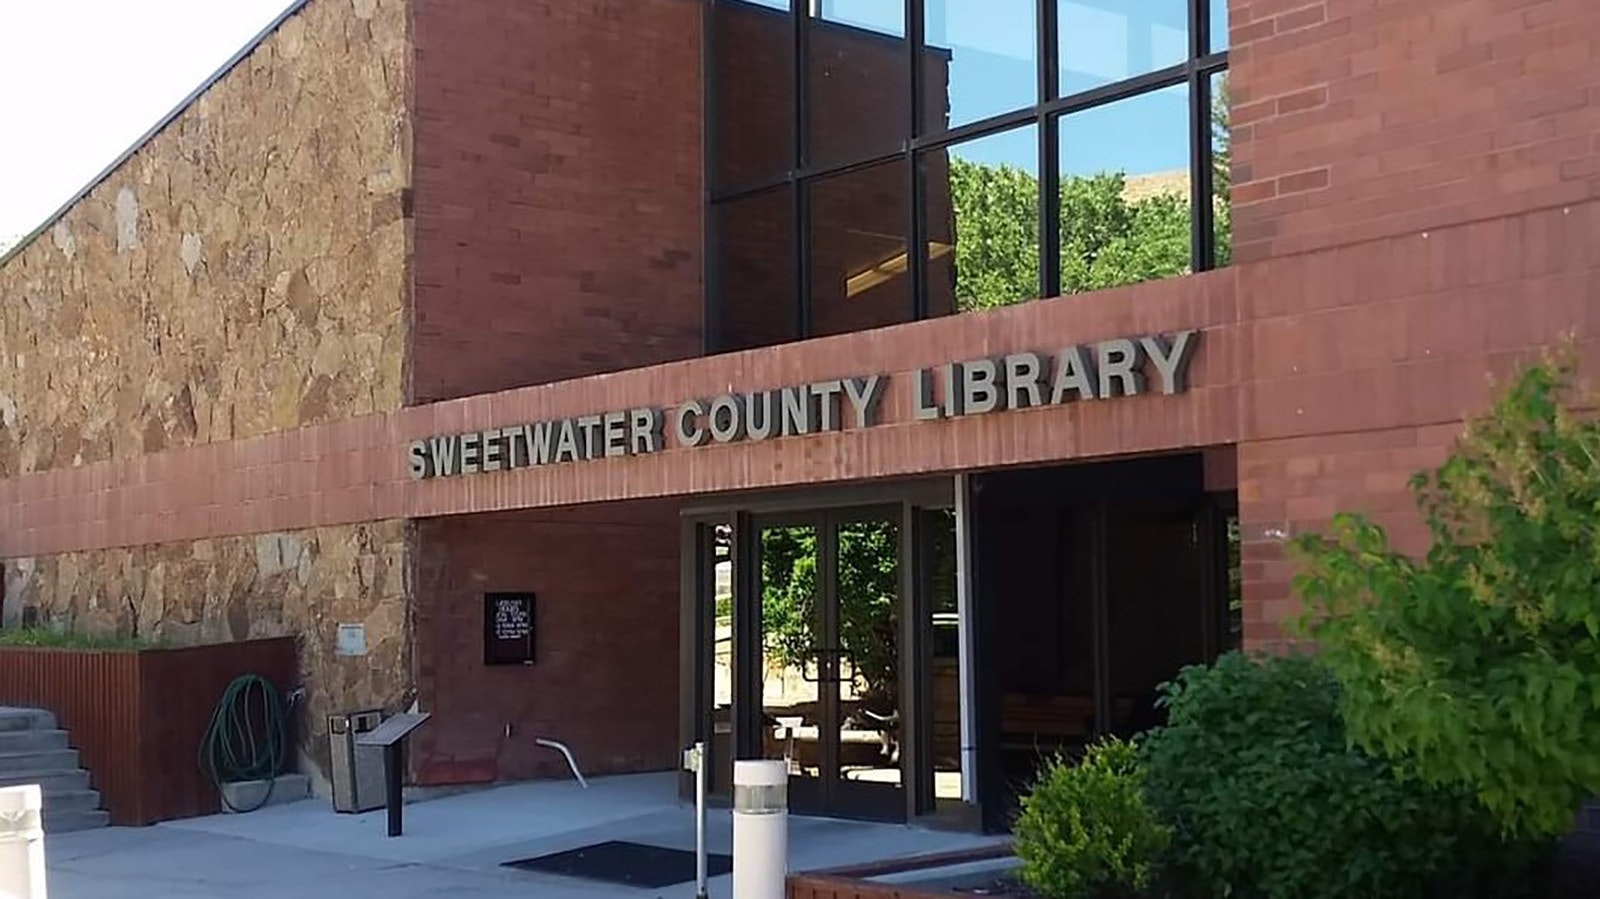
[(1478, 666), (1107, 240), (1267, 798), (1086, 830)]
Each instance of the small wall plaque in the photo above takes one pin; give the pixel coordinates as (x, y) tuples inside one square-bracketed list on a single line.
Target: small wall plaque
[(352, 640), (508, 628)]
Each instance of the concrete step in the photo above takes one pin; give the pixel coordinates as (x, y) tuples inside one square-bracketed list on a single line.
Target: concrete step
[(49, 780), (15, 719), (63, 801), (35, 740), (67, 822), (46, 760)]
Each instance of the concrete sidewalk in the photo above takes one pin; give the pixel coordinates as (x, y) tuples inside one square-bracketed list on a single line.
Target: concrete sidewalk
[(453, 846)]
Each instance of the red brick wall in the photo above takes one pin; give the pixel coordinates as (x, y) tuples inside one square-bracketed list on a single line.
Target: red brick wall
[(1359, 119), (558, 174), (1413, 181), (605, 677)]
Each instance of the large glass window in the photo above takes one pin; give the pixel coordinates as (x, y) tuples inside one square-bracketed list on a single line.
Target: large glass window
[(1125, 206), (992, 51), (1106, 41), (858, 87), (982, 208), (753, 84), (860, 270), (754, 274), (1059, 146)]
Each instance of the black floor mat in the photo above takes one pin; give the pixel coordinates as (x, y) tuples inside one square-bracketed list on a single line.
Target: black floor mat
[(628, 864)]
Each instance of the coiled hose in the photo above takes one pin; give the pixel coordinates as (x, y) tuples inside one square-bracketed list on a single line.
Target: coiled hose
[(246, 739)]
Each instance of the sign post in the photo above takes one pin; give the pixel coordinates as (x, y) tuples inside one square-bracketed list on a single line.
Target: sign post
[(390, 736), (695, 760)]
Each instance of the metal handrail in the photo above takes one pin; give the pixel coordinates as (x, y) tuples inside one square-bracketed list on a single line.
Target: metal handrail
[(571, 762)]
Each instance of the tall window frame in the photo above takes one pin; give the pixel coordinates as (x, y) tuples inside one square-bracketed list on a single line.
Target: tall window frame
[(1205, 59)]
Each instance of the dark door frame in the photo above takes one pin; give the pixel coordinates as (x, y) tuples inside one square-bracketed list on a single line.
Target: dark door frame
[(745, 513)]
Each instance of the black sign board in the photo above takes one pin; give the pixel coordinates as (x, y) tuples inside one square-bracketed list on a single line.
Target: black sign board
[(508, 631)]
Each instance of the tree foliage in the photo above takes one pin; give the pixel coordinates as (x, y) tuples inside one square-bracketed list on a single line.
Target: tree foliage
[(1479, 664), (1267, 799), (868, 586), (1107, 240)]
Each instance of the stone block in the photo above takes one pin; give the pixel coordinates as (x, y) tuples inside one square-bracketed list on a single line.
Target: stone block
[(247, 795)]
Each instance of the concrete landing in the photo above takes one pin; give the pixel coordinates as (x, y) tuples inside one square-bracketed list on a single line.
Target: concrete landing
[(453, 846)]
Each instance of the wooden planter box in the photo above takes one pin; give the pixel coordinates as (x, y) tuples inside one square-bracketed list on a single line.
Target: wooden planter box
[(137, 717), (851, 882)]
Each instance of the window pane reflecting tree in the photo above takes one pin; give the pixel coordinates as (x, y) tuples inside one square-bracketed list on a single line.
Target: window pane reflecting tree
[(1221, 173), (982, 202), (1125, 214)]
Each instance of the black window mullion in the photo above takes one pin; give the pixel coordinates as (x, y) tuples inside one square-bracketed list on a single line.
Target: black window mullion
[(1199, 139), (800, 67), (917, 231), (800, 14), (1049, 152), (800, 192), (711, 246)]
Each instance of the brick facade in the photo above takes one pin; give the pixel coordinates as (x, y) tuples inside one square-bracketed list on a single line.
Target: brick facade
[(558, 191), (1416, 207), (606, 627), (1357, 120)]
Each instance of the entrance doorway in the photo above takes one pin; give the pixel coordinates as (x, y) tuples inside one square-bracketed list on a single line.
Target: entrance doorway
[(1094, 585), (829, 587), (915, 650), (817, 621)]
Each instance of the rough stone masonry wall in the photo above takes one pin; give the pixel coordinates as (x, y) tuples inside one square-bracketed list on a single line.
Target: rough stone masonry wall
[(303, 583), (245, 271)]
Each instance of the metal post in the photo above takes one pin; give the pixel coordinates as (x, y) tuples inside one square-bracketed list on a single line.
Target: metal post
[(700, 820), (22, 842), (760, 828), (393, 762)]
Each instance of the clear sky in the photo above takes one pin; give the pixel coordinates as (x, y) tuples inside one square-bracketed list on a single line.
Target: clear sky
[(81, 80)]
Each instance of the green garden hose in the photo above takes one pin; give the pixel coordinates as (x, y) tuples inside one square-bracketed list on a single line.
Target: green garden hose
[(233, 749)]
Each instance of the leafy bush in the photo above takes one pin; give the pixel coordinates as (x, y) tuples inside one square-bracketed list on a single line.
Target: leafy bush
[(1267, 798), (1086, 829), (1479, 665)]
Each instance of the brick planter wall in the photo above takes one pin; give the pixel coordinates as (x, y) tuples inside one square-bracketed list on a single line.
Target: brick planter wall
[(137, 717)]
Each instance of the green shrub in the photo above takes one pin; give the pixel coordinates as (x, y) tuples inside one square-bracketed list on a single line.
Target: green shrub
[(1267, 798), (1085, 829), (44, 637), (1478, 665)]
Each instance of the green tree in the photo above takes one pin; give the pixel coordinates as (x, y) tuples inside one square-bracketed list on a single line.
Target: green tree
[(1107, 240), (868, 586), (1478, 664)]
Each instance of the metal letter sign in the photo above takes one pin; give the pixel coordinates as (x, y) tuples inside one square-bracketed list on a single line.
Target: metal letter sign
[(1106, 369)]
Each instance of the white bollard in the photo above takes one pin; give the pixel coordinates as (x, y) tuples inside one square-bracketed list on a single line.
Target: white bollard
[(760, 828), (21, 843)]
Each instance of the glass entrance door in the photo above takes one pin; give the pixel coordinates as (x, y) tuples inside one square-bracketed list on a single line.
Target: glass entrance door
[(829, 594)]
